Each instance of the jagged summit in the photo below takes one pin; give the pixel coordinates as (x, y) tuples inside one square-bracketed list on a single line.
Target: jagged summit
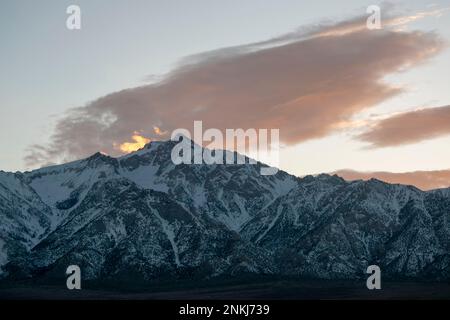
[(141, 216), (156, 143)]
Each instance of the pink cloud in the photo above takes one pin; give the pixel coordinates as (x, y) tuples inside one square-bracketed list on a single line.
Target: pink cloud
[(305, 84), (409, 127), (425, 180)]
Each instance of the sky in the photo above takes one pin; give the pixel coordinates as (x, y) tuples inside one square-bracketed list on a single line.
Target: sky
[(362, 103)]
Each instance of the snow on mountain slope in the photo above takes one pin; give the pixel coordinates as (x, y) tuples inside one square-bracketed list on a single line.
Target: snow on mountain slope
[(3, 253), (331, 228), (228, 193), (121, 230), (198, 187), (24, 218), (59, 183), (141, 216), (143, 168)]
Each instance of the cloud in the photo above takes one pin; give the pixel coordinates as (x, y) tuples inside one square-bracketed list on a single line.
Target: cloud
[(424, 180), (158, 131), (305, 83), (138, 143), (410, 127)]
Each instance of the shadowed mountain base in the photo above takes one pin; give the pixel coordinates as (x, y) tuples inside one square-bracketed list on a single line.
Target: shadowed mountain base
[(229, 290)]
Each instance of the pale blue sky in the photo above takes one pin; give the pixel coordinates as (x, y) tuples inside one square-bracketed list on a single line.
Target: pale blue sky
[(47, 69)]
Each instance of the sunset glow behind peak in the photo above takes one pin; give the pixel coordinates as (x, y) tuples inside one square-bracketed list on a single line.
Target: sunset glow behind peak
[(138, 143)]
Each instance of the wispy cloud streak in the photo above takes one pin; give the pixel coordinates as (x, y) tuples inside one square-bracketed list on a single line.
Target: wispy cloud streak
[(424, 180)]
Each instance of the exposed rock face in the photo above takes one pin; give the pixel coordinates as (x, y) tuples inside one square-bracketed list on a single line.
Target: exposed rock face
[(142, 217)]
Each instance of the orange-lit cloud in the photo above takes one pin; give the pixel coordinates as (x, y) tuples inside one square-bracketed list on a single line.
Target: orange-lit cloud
[(307, 84), (138, 143), (425, 180), (409, 127), (159, 132)]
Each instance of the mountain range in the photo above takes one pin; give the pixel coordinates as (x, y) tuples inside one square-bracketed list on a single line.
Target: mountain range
[(141, 217)]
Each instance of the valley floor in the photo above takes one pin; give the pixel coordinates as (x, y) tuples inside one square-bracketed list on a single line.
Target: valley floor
[(266, 290)]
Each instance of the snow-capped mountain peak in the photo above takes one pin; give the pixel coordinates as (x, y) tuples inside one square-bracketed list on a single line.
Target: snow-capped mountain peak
[(142, 215)]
